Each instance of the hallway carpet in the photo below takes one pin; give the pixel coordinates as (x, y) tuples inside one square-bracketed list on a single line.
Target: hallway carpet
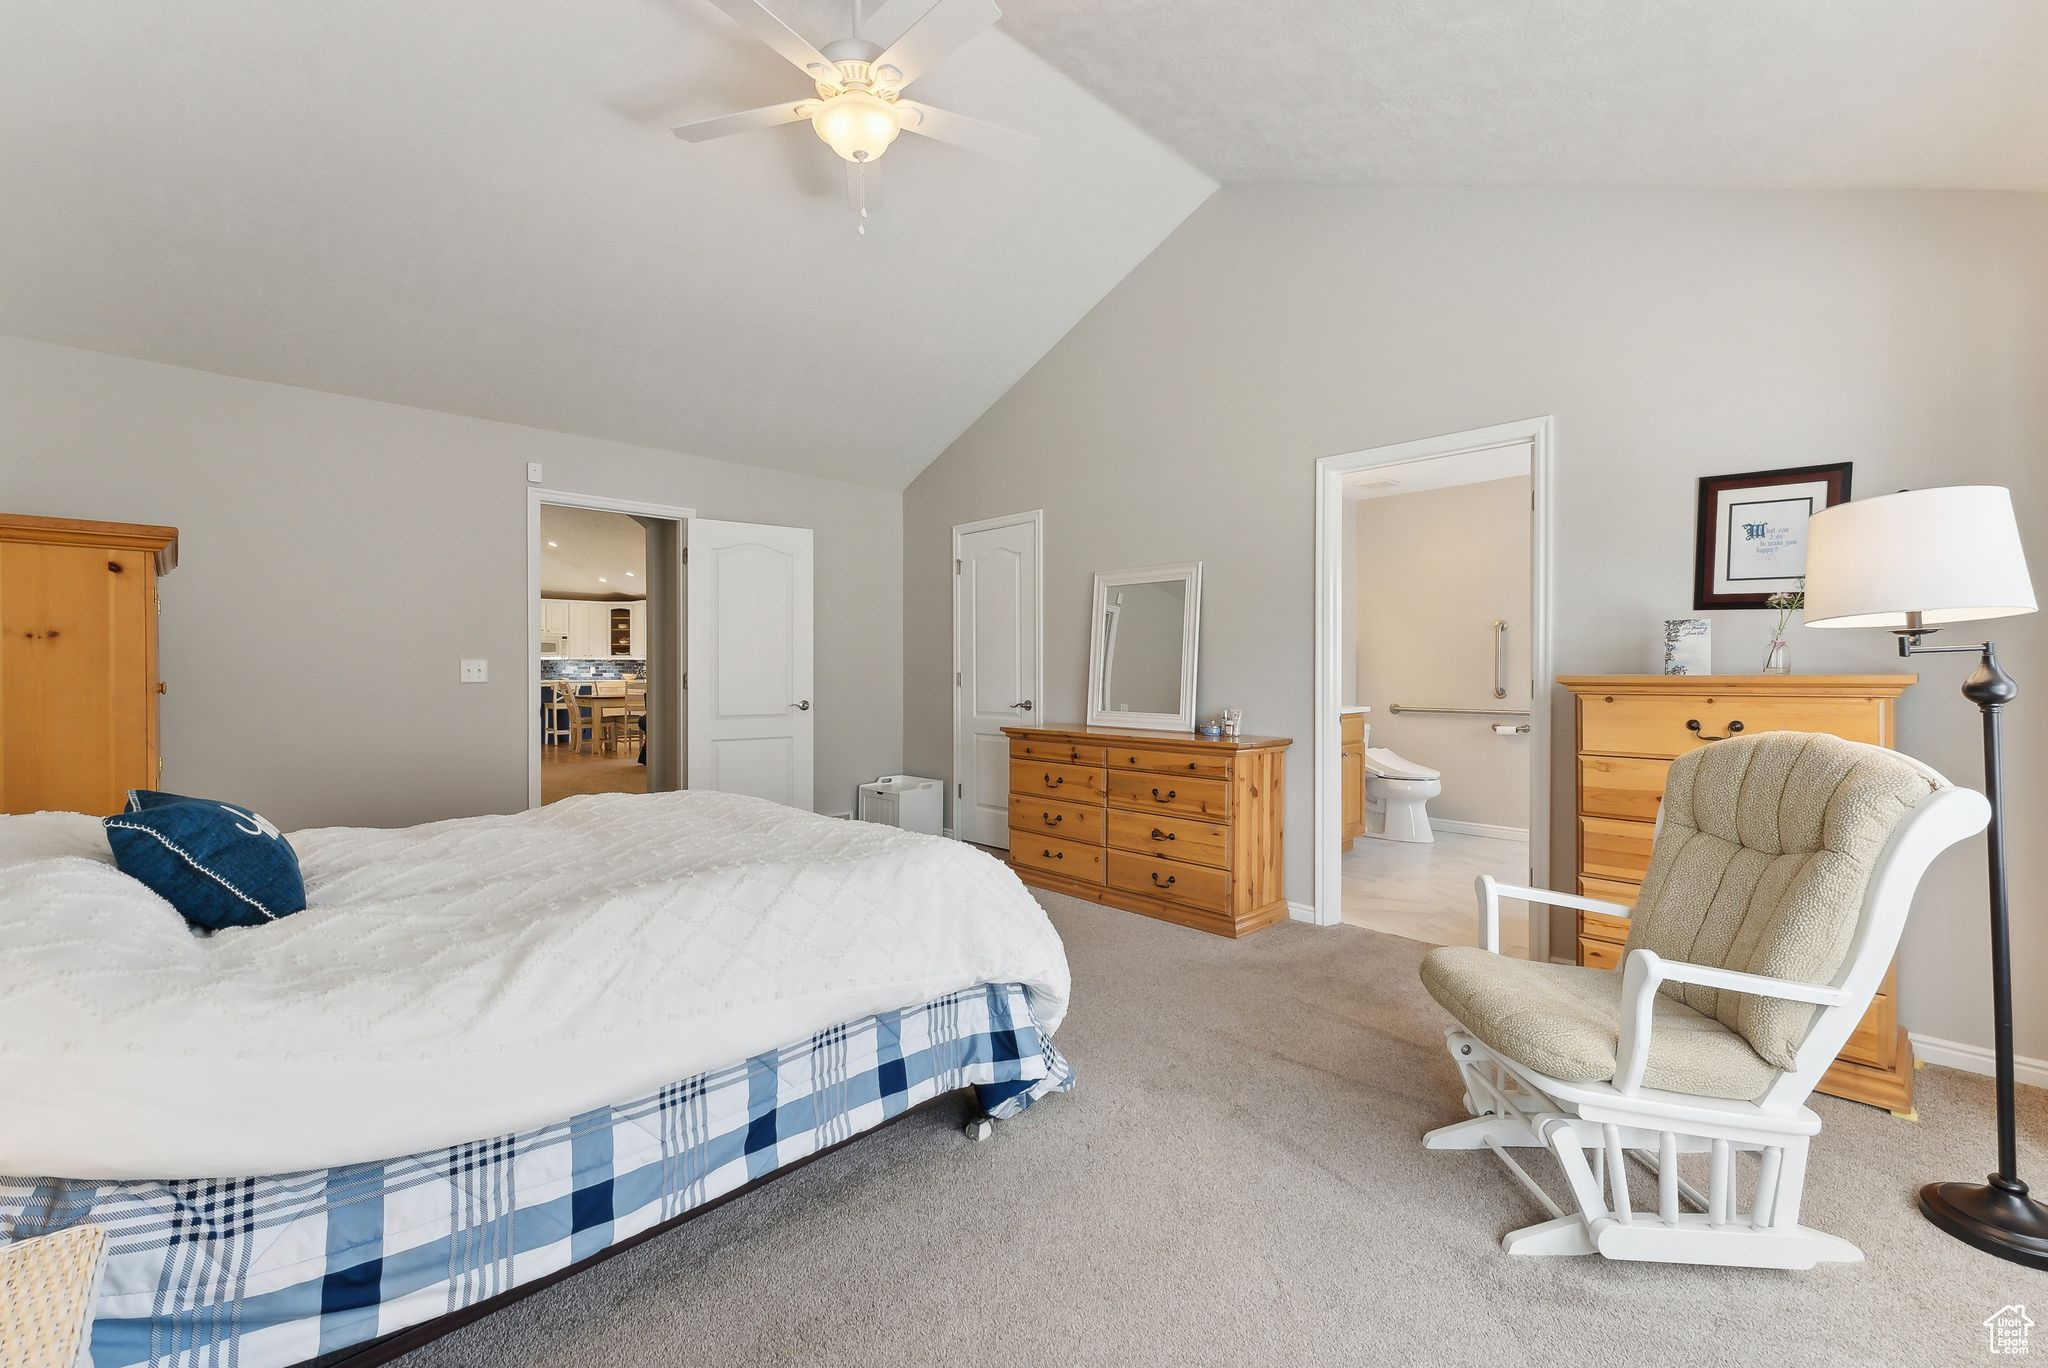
[(1237, 1179)]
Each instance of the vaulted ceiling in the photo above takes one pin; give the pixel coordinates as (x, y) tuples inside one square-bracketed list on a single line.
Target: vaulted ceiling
[(1949, 94), (476, 206)]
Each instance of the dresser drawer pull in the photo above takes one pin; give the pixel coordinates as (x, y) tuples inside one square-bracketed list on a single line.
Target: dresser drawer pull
[(1692, 724), (1169, 879), (1055, 854), (1052, 820), (1055, 783), (1159, 835), (1171, 794)]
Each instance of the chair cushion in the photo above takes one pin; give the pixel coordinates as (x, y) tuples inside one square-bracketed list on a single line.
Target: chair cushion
[(218, 864), (1565, 1021), (1760, 865)]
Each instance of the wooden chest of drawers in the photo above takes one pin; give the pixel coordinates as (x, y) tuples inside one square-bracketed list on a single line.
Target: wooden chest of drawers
[(1630, 729), (1172, 826)]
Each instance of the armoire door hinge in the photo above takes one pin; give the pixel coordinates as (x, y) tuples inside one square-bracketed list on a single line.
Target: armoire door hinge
[(960, 790), (956, 565), (686, 555)]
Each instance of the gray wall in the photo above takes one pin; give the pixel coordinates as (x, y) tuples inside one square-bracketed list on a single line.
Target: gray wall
[(1673, 334), (1436, 568), (339, 556)]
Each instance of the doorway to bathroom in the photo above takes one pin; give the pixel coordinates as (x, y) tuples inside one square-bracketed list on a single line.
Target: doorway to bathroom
[(1432, 671)]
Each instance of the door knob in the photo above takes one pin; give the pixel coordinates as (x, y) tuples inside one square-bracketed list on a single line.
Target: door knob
[(1025, 705), (804, 706)]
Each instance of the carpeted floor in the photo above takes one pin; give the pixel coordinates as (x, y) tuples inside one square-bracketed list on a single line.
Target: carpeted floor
[(1238, 1179)]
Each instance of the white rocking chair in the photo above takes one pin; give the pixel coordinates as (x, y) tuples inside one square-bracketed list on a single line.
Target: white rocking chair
[(1782, 870)]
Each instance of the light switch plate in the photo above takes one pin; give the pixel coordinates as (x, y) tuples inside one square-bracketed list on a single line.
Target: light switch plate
[(476, 671), (533, 472)]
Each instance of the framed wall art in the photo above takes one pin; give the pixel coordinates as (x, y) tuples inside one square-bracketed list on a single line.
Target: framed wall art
[(1752, 532)]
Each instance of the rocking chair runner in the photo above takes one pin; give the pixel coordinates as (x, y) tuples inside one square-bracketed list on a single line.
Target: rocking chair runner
[(1783, 868)]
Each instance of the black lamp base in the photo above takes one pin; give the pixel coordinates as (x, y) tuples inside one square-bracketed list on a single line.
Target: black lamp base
[(1997, 1217)]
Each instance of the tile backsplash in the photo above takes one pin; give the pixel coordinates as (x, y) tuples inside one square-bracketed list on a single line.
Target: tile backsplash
[(591, 669)]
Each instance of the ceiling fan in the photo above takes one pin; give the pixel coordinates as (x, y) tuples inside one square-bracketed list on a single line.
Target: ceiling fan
[(859, 107)]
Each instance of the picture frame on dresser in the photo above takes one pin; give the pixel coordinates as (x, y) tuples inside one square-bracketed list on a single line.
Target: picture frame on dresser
[(1751, 539)]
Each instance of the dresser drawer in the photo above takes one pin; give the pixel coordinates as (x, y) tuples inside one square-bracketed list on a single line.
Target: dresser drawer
[(1165, 793), (1170, 879), (1171, 762), (1070, 859), (1875, 1041), (1625, 724), (1179, 838), (1614, 786), (1069, 783), (1600, 926), (1059, 752), (1597, 954), (1034, 817), (1610, 890), (1610, 848)]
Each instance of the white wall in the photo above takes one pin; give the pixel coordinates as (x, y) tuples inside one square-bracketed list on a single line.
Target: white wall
[(339, 556), (1436, 568), (1673, 334)]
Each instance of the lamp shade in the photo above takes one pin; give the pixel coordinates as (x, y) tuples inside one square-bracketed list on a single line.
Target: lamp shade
[(1950, 555)]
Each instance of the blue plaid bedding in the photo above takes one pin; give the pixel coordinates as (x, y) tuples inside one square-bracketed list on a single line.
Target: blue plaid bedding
[(252, 1272)]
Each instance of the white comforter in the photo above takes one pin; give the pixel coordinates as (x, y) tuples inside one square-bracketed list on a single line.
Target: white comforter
[(468, 978)]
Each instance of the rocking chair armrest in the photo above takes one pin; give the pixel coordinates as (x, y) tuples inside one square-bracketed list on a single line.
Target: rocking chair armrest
[(1492, 890), (1646, 971)]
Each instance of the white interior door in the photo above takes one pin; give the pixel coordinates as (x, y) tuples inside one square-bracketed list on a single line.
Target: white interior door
[(996, 644), (749, 668)]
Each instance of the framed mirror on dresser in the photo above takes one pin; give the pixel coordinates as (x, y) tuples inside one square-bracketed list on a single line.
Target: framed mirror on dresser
[(1142, 648)]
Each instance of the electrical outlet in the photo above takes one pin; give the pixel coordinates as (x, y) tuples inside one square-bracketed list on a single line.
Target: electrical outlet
[(476, 671), (533, 472)]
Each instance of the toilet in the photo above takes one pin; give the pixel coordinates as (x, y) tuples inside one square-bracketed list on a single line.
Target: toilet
[(1397, 794)]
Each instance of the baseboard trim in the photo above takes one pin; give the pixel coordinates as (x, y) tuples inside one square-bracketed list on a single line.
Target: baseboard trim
[(1976, 1059), (1499, 833), (1303, 912)]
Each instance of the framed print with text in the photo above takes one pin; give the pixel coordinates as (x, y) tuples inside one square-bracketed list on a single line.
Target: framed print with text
[(1752, 532)]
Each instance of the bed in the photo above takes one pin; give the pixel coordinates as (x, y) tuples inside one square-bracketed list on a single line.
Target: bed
[(489, 1051)]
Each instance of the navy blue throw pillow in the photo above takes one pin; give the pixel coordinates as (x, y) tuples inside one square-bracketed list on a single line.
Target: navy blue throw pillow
[(218, 864)]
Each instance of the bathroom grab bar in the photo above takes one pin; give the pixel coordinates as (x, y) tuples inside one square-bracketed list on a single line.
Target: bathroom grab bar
[(1461, 712), (1500, 658)]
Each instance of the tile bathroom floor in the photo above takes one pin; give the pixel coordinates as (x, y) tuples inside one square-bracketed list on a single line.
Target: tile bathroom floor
[(1424, 892)]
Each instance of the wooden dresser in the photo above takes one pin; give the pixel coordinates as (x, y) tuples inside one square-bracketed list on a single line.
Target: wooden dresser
[(1163, 823), (1631, 727), (78, 674)]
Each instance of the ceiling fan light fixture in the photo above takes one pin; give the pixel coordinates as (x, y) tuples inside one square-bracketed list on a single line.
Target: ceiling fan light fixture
[(859, 126)]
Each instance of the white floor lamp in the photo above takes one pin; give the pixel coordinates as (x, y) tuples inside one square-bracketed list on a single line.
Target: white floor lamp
[(1913, 562)]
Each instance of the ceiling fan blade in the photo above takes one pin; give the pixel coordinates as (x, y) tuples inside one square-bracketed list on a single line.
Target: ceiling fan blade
[(795, 49), (746, 121), (944, 27), (961, 131), (864, 189)]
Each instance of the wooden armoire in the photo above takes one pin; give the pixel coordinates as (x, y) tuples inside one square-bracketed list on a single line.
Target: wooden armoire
[(78, 668), (1631, 727)]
